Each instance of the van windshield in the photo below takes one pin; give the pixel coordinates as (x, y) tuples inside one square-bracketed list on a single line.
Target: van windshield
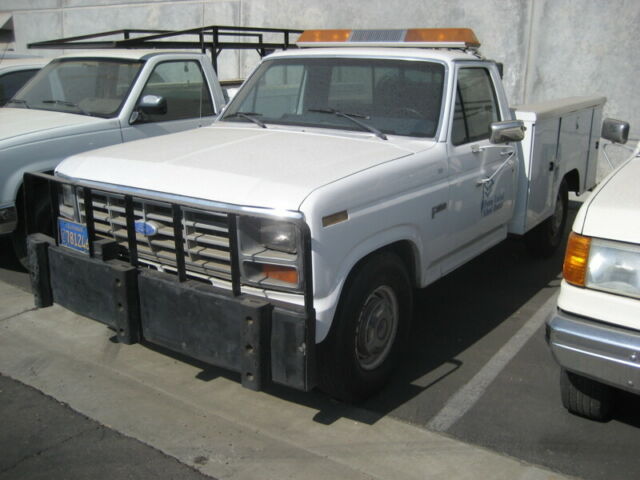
[(96, 87), (397, 97)]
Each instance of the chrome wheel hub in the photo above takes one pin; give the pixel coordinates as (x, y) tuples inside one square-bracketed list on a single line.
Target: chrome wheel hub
[(377, 327)]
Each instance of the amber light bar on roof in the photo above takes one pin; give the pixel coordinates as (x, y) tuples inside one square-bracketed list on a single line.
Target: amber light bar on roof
[(412, 37)]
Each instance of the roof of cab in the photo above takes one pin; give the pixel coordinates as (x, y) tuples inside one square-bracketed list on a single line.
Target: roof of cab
[(129, 54), (438, 54), (34, 62)]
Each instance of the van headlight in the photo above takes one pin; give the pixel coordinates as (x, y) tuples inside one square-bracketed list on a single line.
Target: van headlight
[(603, 265), (270, 253)]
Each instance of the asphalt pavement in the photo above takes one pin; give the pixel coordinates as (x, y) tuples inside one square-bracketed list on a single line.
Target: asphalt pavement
[(197, 415)]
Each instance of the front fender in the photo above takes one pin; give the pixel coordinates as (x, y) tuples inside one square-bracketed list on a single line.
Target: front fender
[(43, 156)]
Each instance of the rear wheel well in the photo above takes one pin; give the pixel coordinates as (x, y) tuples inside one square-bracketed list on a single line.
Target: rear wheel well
[(573, 180)]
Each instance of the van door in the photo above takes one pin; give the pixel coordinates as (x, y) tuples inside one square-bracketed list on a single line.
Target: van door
[(184, 87), (482, 175)]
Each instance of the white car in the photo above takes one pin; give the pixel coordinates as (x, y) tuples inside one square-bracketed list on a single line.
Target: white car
[(15, 72), (595, 333)]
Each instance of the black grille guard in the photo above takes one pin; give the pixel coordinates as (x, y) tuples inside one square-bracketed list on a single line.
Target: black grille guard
[(40, 185)]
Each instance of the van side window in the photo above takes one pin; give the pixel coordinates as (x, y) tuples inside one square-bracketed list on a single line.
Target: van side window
[(476, 106), (183, 85)]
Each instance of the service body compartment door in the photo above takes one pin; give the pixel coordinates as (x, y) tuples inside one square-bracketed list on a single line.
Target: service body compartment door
[(573, 145), (560, 140)]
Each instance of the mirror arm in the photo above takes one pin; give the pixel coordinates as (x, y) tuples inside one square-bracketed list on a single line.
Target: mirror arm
[(134, 117)]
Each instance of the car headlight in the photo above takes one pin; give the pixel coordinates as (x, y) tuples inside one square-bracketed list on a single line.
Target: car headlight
[(270, 253), (603, 265), (67, 204)]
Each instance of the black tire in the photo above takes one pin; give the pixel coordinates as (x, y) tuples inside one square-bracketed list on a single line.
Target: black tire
[(543, 240), (369, 329), (44, 225), (585, 397)]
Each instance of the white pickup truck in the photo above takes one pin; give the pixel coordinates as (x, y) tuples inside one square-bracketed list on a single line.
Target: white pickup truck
[(85, 100), (595, 332), (284, 241)]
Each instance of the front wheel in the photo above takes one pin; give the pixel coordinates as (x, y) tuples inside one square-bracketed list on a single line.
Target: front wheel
[(585, 397), (544, 240), (370, 327)]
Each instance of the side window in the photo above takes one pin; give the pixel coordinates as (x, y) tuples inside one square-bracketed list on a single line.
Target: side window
[(11, 82), (476, 106), (183, 86)]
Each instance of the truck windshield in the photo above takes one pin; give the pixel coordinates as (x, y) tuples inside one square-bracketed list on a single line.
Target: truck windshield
[(397, 97), (95, 87)]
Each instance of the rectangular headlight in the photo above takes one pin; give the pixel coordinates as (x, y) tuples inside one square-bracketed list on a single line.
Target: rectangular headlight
[(270, 253), (614, 267), (260, 233), (67, 202)]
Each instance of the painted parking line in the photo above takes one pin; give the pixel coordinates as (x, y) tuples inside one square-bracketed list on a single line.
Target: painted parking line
[(465, 398)]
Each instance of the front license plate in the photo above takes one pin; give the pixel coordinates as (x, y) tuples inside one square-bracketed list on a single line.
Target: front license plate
[(73, 235)]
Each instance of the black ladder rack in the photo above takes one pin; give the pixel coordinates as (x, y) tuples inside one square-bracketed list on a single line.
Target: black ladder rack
[(210, 38)]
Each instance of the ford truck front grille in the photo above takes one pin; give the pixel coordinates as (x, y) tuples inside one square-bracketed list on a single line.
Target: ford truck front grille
[(205, 234)]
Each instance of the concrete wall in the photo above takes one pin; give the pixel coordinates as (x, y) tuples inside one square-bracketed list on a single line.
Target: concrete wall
[(550, 48)]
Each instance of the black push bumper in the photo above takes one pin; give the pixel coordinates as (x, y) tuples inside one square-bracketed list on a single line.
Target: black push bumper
[(262, 341)]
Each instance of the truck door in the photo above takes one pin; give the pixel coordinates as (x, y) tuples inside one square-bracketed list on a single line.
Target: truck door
[(482, 175), (184, 87)]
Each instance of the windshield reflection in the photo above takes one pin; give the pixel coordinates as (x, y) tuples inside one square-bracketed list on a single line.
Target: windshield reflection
[(94, 87), (398, 97)]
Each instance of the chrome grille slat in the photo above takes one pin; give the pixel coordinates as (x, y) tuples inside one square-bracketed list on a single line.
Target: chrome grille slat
[(205, 234), (208, 240)]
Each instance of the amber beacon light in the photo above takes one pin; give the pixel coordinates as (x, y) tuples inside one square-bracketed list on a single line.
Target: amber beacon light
[(412, 37)]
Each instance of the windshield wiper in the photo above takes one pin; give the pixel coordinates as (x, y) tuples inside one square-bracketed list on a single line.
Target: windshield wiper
[(354, 118), (67, 104), (19, 101), (251, 116)]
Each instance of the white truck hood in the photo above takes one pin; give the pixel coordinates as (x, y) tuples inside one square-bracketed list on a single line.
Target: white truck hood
[(245, 165), (612, 210), (23, 125)]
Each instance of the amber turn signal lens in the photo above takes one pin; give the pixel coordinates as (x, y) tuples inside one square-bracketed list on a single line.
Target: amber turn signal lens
[(574, 269), (283, 274)]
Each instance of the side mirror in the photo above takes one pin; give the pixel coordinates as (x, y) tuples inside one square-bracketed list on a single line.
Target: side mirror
[(507, 131), (615, 131), (153, 104)]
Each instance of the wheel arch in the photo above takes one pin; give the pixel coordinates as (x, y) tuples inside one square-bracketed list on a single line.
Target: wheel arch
[(19, 196), (573, 180), (409, 256)]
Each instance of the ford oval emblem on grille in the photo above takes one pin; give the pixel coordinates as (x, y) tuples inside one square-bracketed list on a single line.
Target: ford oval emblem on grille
[(148, 229)]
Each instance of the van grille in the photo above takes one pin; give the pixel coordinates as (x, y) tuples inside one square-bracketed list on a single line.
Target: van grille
[(205, 234)]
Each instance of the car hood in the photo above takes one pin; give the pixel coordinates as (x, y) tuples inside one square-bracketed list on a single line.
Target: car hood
[(612, 210), (23, 125), (247, 165)]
